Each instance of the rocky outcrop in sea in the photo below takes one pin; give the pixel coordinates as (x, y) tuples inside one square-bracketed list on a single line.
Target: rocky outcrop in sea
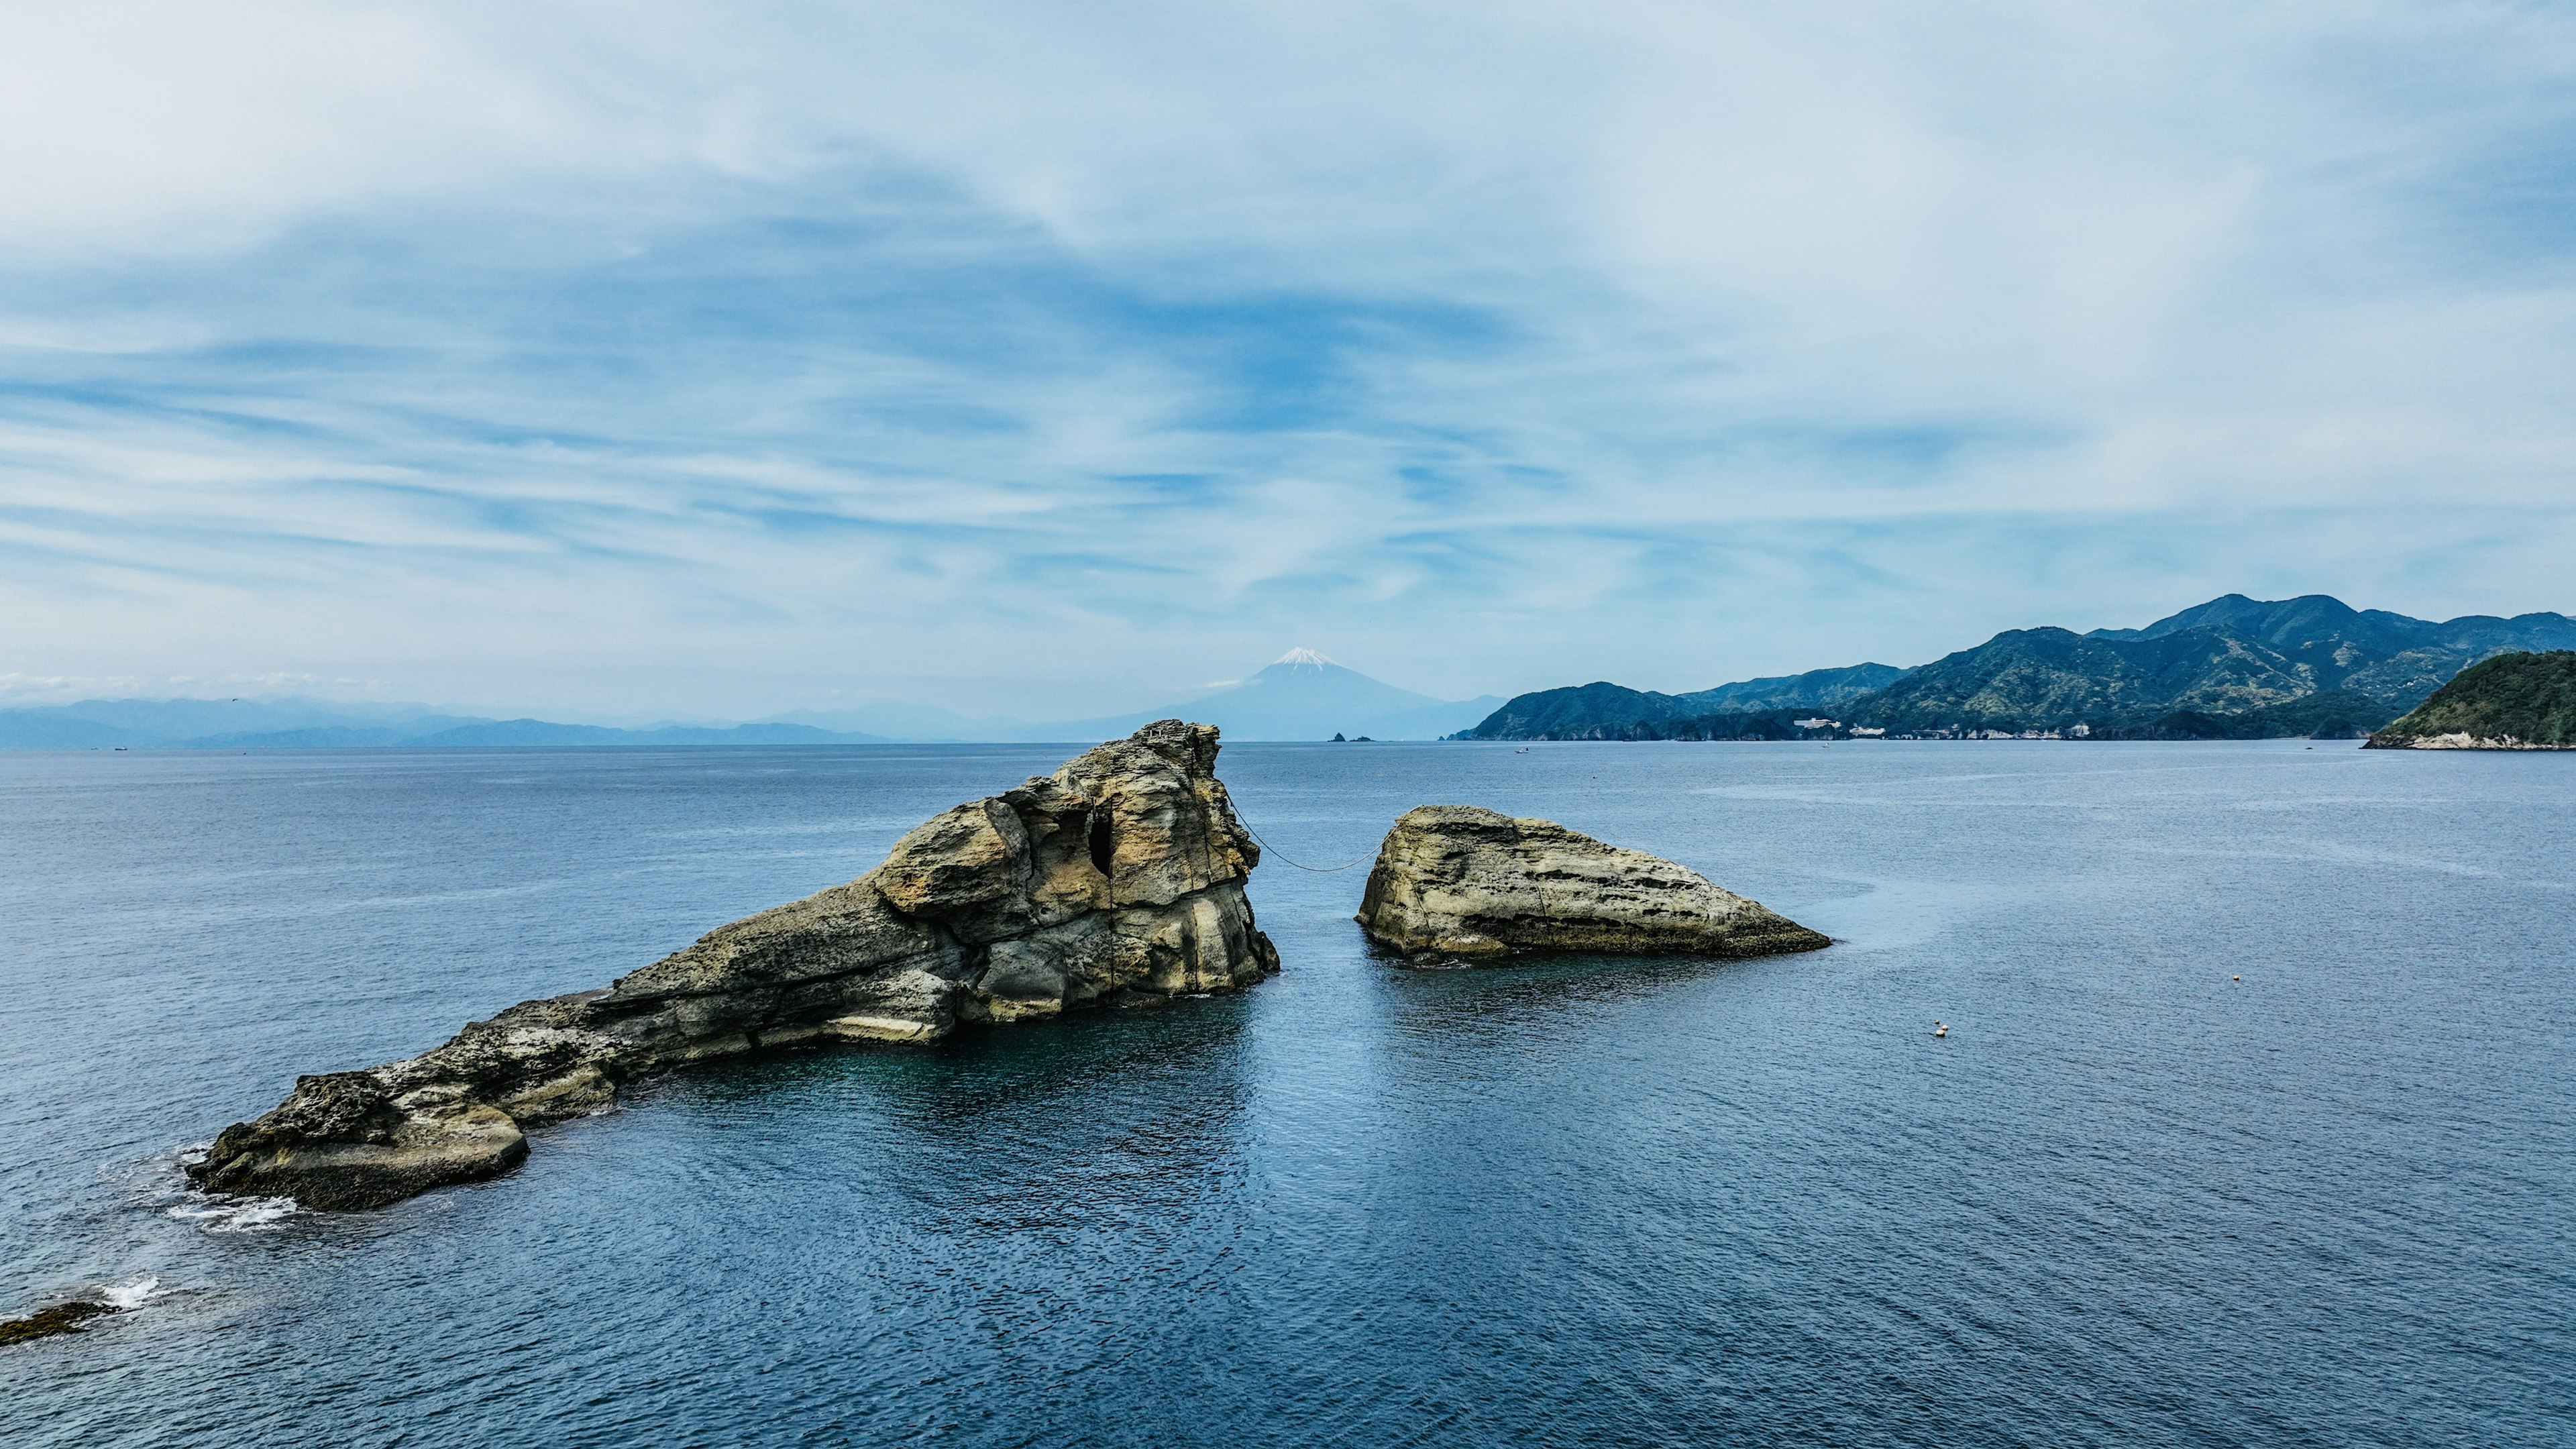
[(1461, 883), (1116, 880)]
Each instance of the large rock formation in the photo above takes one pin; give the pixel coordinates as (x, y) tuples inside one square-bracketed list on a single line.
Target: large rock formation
[(1117, 879), (1456, 881)]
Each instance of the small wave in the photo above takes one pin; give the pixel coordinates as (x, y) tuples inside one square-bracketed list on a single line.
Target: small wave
[(131, 1295), (217, 1214)]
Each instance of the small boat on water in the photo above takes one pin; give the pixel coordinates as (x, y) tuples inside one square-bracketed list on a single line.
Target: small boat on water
[(1940, 1029)]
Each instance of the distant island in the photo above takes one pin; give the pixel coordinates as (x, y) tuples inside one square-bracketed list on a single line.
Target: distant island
[(2510, 702), (2233, 668)]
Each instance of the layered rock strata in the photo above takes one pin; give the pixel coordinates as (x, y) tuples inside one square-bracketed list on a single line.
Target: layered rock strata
[(1455, 882), (1116, 880)]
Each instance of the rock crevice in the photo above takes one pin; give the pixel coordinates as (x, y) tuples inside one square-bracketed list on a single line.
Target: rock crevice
[(1117, 878), (1464, 883)]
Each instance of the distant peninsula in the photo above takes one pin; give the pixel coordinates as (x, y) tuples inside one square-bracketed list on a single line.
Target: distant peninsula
[(1571, 714), (2233, 668), (2510, 702)]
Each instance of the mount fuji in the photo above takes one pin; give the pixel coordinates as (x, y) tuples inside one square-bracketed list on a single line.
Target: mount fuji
[(1305, 696), (1300, 696)]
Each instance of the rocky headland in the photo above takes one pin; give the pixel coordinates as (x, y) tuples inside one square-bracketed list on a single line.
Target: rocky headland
[(2511, 702), (1116, 880), (1457, 882), (2233, 668)]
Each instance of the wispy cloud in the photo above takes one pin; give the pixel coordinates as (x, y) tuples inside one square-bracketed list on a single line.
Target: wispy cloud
[(724, 359)]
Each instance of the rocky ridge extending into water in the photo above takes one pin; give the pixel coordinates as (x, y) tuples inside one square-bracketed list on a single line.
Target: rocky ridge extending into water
[(1458, 882), (1117, 879)]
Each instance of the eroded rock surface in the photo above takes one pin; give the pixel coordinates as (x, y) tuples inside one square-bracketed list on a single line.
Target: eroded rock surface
[(1117, 879), (1460, 882)]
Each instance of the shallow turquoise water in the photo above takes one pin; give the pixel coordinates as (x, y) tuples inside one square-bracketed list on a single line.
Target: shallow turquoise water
[(2126, 1201)]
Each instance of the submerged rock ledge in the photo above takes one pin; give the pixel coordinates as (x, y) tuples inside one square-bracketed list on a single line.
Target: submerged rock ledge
[(47, 1322), (1116, 879), (1459, 881)]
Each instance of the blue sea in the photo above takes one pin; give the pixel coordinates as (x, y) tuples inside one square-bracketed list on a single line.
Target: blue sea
[(2255, 1123)]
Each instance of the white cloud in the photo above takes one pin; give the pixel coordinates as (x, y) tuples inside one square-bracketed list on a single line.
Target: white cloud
[(585, 353)]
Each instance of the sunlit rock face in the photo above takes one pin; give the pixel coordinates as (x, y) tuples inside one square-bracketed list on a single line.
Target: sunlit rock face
[(1116, 880), (1461, 884)]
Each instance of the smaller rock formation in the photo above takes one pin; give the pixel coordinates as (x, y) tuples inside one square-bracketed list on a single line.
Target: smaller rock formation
[(1457, 881), (2510, 702), (45, 1323), (1117, 879)]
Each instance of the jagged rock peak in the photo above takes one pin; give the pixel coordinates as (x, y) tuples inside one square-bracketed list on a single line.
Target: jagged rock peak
[(1117, 879), (1457, 882)]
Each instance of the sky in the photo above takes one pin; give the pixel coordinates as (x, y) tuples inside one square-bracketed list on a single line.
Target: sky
[(638, 359)]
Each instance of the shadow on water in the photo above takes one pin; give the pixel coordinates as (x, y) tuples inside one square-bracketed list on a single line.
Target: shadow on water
[(1131, 1107), (994, 1068), (1555, 992)]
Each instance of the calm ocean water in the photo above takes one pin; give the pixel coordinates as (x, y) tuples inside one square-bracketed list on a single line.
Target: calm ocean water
[(2128, 1200)]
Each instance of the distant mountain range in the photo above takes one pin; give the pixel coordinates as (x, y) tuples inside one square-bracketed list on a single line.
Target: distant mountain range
[(2233, 667), (257, 724), (1303, 696)]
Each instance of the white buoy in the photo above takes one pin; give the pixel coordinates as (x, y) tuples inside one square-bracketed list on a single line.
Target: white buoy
[(1940, 1029)]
